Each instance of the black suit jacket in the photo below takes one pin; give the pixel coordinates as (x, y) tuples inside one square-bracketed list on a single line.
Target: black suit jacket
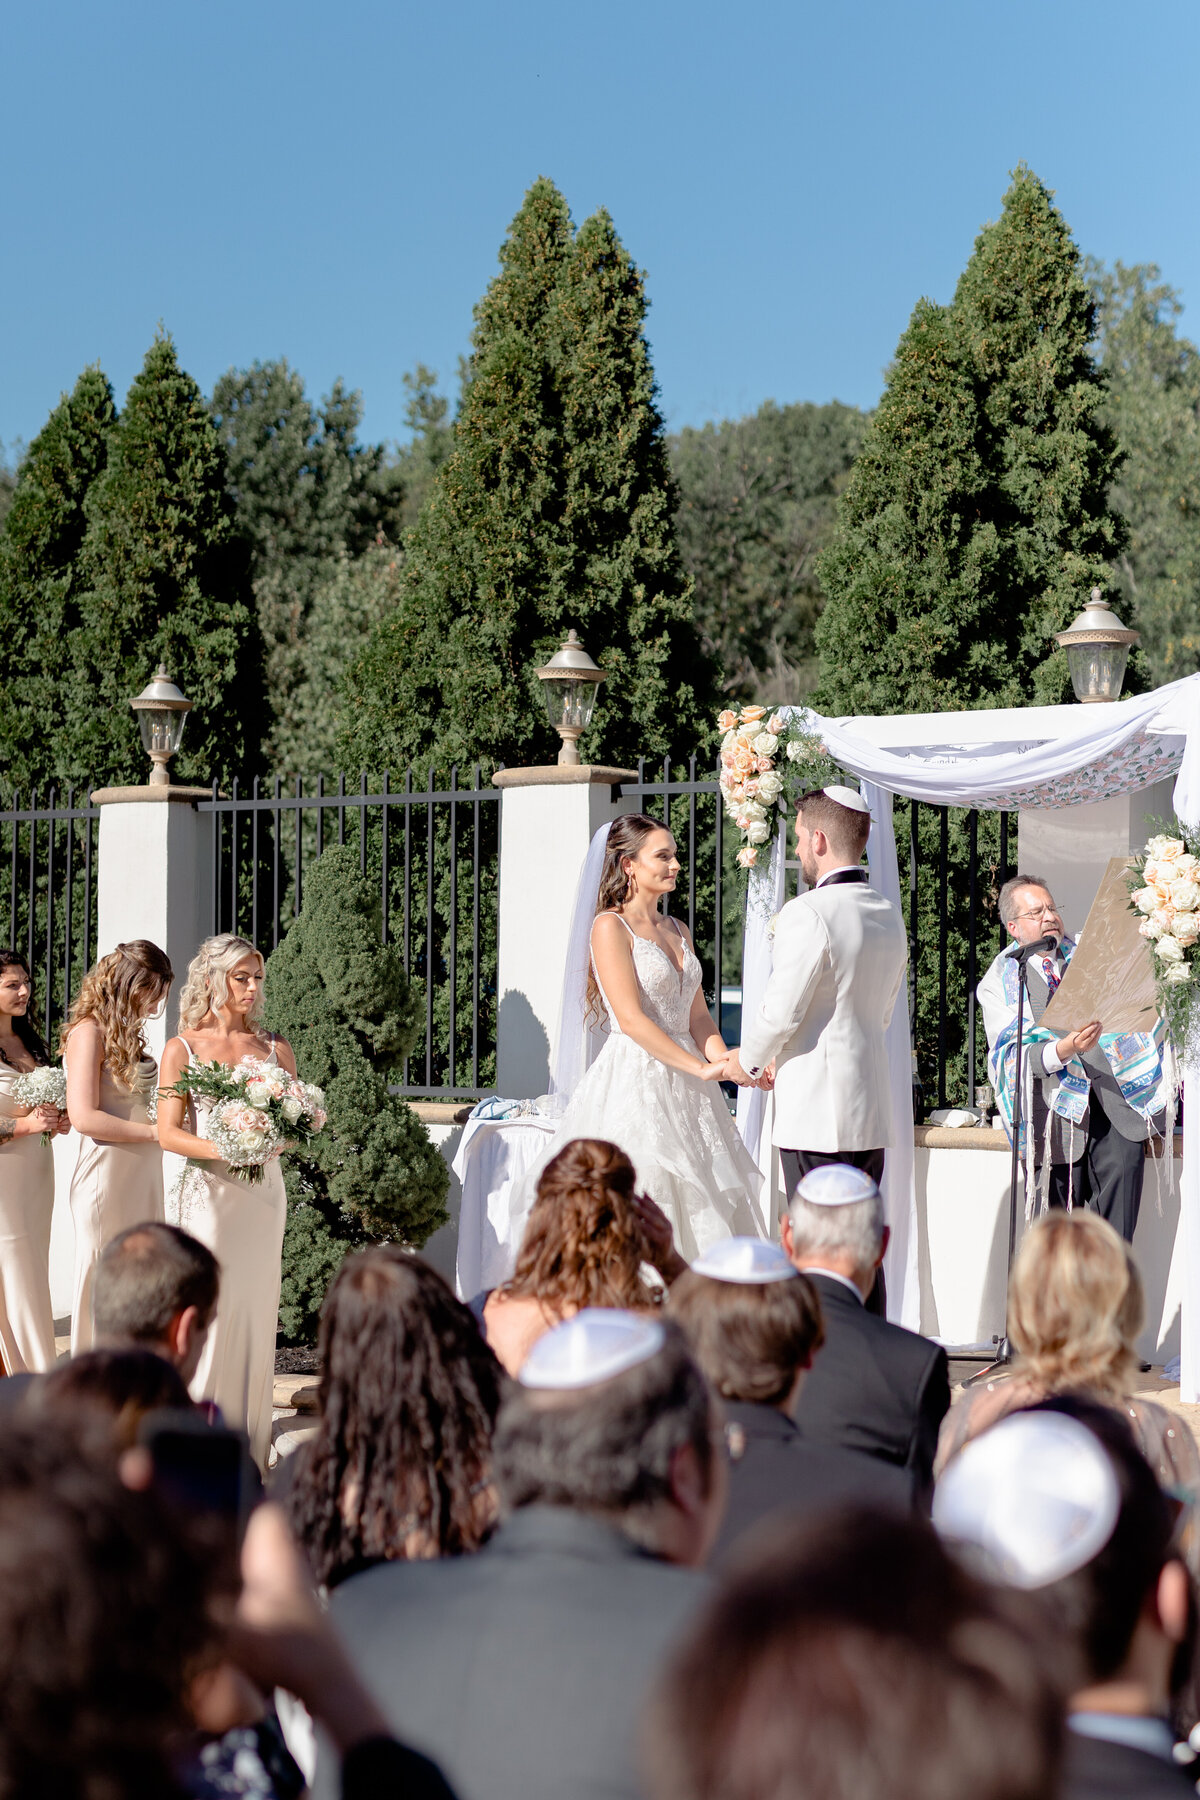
[(1094, 1769), (521, 1670), (774, 1472), (874, 1387)]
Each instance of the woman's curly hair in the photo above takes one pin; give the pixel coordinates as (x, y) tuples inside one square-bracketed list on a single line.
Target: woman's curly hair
[(25, 1028), (118, 994), (584, 1244), (626, 836), (206, 984), (409, 1395)]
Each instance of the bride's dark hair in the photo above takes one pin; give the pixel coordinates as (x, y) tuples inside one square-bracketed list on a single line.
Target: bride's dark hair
[(626, 836)]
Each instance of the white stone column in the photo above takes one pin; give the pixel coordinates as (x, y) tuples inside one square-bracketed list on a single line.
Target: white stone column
[(1071, 845), (547, 818), (154, 879)]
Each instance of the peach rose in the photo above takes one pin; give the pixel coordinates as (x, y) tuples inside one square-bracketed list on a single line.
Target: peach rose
[(751, 714), (727, 721)]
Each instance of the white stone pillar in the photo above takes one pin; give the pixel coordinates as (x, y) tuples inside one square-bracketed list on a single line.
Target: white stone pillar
[(1071, 845), (154, 879), (547, 818)]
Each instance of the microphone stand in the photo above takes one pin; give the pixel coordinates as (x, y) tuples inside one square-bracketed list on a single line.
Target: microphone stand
[(1044, 946)]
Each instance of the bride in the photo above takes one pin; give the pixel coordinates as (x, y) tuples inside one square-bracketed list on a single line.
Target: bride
[(651, 1087)]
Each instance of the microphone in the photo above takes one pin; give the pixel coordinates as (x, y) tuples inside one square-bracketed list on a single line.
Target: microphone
[(1043, 946)]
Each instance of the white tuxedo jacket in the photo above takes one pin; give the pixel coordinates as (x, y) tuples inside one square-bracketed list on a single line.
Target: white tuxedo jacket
[(838, 966)]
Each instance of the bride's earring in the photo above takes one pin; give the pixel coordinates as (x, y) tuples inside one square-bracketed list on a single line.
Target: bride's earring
[(630, 885)]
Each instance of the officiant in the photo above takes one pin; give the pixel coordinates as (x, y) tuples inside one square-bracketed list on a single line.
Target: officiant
[(1096, 1096)]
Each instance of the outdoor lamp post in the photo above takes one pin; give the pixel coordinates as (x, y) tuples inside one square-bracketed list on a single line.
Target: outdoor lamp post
[(161, 714), (1097, 646), (571, 681)]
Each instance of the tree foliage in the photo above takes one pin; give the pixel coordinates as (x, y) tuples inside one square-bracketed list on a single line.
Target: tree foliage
[(554, 509), (40, 585), (757, 504), (343, 1001)]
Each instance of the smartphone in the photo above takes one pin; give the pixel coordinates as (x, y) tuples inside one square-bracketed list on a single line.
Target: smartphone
[(203, 1470)]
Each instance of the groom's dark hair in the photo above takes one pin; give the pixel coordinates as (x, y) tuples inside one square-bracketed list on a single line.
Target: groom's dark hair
[(846, 829)]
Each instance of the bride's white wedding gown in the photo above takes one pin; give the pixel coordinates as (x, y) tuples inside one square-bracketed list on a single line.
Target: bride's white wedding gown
[(676, 1129)]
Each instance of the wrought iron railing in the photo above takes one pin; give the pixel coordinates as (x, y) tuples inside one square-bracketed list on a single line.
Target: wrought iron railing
[(48, 848)]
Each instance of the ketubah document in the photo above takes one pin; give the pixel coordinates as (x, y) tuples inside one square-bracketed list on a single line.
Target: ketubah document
[(1111, 975)]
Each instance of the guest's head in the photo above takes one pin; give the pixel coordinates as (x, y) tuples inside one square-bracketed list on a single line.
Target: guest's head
[(115, 1389), (156, 1286), (105, 1614), (584, 1244), (853, 1659), (835, 1221), (400, 1465), (118, 995), (226, 971), (1058, 1501), (16, 1003), (828, 833), (613, 1418), (1075, 1305), (753, 1323)]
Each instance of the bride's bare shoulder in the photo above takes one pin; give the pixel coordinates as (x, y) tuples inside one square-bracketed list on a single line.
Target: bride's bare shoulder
[(609, 925)]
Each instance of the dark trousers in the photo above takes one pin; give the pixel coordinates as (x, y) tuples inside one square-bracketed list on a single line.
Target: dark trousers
[(1108, 1176), (799, 1163)]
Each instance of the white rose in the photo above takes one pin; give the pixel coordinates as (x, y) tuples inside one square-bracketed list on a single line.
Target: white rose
[(1164, 920), (1146, 900), (753, 811), (765, 744), (1155, 844), (1148, 929), (1185, 896), (770, 786), (758, 834), (292, 1110), (1169, 949), (1175, 974), (258, 1092), (1186, 864), (1169, 848), (1187, 929)]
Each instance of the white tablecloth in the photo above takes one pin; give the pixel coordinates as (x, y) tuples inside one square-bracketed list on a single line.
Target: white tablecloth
[(491, 1158)]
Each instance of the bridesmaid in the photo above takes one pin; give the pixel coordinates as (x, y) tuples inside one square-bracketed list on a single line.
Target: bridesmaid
[(26, 1184), (110, 1083), (220, 1012)]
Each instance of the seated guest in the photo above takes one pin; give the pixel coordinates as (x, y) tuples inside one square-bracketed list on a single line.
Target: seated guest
[(522, 1670), (873, 1386), (1059, 1502), (753, 1324), (1075, 1309), (157, 1287), (856, 1660), (588, 1242), (120, 1386), (400, 1464)]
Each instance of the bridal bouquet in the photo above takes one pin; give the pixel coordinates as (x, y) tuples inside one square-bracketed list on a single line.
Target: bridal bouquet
[(256, 1112), (44, 1086), (1165, 889), (764, 760)]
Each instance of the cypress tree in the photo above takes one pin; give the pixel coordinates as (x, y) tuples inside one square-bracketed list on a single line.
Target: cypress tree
[(553, 509), (40, 585), (342, 999), (165, 578)]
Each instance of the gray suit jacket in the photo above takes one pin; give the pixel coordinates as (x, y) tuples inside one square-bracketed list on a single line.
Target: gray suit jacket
[(521, 1670), (1105, 1092)]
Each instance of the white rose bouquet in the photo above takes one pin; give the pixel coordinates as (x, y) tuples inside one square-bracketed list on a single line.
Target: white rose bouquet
[(1164, 887), (257, 1112), (765, 759), (43, 1086)]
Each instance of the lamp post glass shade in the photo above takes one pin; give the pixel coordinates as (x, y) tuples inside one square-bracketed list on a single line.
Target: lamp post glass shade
[(161, 715), (1097, 646), (569, 684)]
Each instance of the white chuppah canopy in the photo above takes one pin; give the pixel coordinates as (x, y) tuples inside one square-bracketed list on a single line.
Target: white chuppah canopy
[(1026, 758)]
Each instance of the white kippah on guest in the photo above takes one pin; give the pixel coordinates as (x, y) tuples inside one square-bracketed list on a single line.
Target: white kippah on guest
[(848, 797), (836, 1184), (599, 1342), (751, 1261), (1036, 1496)]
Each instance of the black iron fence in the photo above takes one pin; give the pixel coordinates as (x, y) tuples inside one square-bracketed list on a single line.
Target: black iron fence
[(48, 852)]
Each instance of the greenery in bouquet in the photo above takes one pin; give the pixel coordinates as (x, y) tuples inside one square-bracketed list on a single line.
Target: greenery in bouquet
[(256, 1112), (768, 759), (43, 1086), (1164, 885)]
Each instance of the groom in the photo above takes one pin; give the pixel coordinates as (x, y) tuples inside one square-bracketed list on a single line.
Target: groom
[(838, 966)]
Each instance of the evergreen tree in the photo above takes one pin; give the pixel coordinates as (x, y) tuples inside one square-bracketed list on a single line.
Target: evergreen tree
[(427, 416), (343, 1001), (40, 585), (1028, 319), (163, 578), (553, 509), (353, 597)]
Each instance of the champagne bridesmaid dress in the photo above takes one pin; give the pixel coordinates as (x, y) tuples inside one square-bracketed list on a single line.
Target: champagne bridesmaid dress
[(242, 1223), (26, 1205), (114, 1186)]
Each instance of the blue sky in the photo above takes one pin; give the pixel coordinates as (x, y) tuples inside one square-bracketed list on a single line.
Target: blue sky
[(331, 182)]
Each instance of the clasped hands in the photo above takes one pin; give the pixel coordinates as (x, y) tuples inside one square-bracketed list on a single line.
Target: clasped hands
[(729, 1068)]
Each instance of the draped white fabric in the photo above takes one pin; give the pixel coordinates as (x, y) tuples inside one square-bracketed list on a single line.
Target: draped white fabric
[(1027, 758)]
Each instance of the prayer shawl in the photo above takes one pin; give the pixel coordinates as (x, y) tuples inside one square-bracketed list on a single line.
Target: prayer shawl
[(1135, 1057)]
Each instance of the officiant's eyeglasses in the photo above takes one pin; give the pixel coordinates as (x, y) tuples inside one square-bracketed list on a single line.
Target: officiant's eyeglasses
[(1039, 912)]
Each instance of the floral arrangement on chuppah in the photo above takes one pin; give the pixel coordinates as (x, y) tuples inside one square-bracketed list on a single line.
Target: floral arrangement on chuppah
[(767, 760), (258, 1111), (1164, 887)]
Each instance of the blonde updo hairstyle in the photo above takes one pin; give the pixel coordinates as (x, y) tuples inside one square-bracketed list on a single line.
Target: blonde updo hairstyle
[(206, 984), (118, 994), (1076, 1306)]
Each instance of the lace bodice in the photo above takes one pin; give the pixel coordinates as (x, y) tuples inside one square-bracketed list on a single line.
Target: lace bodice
[(667, 992)]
